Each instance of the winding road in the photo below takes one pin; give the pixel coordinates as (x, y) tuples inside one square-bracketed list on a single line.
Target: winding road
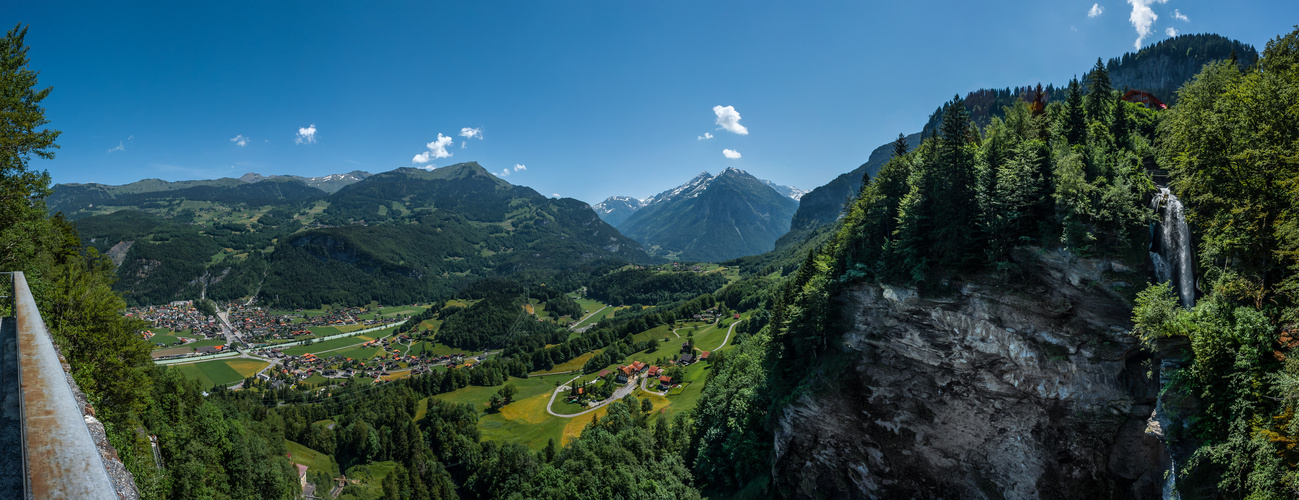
[(618, 394)]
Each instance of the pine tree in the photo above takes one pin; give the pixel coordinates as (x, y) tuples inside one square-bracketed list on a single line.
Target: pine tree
[(1075, 122), (1099, 92), (954, 203), (1119, 126), (900, 145)]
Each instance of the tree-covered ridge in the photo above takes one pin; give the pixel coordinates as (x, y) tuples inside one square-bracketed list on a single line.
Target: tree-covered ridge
[(1160, 69)]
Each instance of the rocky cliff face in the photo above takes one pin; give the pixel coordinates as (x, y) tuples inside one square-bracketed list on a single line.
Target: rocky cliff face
[(1031, 389)]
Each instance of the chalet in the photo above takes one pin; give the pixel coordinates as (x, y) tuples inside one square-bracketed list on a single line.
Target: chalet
[(687, 359), (1144, 98), (302, 476), (637, 366), (665, 382), (704, 355), (604, 373), (653, 371), (624, 373), (735, 316)]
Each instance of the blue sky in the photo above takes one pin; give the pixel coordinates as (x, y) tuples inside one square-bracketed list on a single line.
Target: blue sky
[(592, 98)]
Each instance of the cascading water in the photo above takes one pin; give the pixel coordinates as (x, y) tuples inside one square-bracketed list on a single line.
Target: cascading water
[(1171, 254), (1170, 246)]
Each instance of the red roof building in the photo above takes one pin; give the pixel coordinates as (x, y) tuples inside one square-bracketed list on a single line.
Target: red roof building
[(637, 366), (665, 380), (653, 371), (704, 354)]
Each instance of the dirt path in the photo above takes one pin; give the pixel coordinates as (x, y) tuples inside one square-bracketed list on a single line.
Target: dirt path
[(584, 318)]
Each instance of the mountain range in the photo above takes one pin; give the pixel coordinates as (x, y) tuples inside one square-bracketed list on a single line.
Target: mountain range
[(397, 237)]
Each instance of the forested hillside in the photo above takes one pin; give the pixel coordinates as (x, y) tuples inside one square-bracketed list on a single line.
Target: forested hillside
[(1159, 69), (1072, 175), (397, 237)]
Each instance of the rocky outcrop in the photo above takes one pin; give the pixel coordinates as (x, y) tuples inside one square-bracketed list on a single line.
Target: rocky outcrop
[(1028, 388)]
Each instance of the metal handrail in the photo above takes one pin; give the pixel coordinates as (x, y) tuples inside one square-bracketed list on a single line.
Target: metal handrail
[(59, 453)]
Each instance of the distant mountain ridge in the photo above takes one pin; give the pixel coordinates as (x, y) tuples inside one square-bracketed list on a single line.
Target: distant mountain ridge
[(396, 237), (79, 200), (712, 218), (616, 209)]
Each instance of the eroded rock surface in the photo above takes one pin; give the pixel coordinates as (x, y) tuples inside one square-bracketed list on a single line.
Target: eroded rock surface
[(1019, 390)]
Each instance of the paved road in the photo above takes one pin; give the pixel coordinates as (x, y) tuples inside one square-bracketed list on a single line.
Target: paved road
[(618, 394), (584, 318)]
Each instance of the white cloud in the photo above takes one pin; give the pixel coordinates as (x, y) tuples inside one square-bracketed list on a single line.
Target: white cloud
[(706, 136), (729, 119), (1096, 10), (554, 195), (471, 133), (131, 138), (463, 144), (1142, 18), (120, 147), (436, 149), (520, 166), (1171, 31), (730, 153), (1177, 14), (504, 173), (306, 135), (240, 140)]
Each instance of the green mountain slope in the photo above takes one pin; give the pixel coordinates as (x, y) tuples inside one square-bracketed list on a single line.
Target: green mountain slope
[(712, 218), (396, 237)]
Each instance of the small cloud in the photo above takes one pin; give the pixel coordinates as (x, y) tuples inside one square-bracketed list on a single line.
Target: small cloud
[(1096, 10), (1142, 18), (706, 136), (730, 153), (554, 195), (519, 166), (306, 135), (131, 138), (436, 149), (463, 144), (729, 119), (471, 133), (1171, 31), (120, 147), (430, 168), (1073, 28), (1177, 14), (504, 173), (240, 140)]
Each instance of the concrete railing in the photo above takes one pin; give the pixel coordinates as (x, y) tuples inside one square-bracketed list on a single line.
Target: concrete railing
[(59, 456)]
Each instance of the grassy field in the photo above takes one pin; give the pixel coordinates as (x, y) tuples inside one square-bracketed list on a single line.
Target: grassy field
[(325, 331), (573, 364), (314, 460), (187, 348), (371, 477), (221, 371), (425, 348), (327, 345)]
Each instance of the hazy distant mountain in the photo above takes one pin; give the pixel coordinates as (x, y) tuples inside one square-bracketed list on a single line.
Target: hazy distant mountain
[(712, 218), (80, 200), (328, 183), (616, 209), (790, 191)]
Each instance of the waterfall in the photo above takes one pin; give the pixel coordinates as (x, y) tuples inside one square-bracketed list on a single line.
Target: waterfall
[(1171, 255), (1170, 246)]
